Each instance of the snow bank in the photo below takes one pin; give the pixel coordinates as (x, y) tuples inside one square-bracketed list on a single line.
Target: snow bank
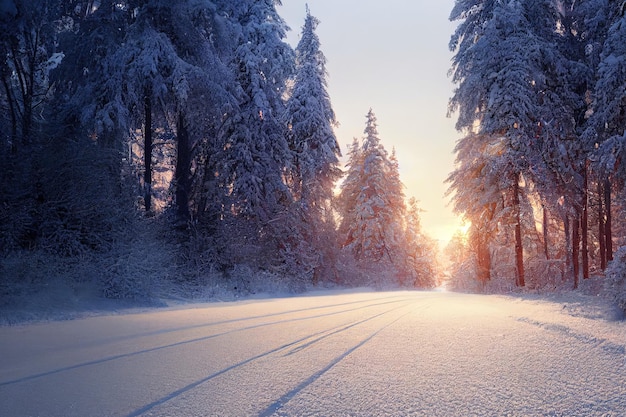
[(615, 286)]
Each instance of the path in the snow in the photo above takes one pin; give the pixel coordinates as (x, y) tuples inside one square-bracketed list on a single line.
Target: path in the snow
[(349, 354)]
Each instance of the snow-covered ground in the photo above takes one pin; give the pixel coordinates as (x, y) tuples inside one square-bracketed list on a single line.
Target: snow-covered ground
[(323, 354)]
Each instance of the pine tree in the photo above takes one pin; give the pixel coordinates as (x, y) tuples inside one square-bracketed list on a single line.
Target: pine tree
[(311, 119), (368, 236), (350, 189), (609, 111), (605, 128), (377, 228), (315, 150), (28, 48), (253, 153), (505, 62), (398, 227), (255, 149)]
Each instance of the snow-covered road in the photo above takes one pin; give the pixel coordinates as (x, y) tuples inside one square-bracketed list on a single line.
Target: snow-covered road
[(346, 354)]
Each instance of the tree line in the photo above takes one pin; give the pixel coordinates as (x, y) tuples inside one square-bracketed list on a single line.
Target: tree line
[(539, 173), (151, 138)]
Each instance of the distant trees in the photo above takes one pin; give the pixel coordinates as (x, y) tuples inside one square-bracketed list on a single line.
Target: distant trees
[(533, 168), (375, 227)]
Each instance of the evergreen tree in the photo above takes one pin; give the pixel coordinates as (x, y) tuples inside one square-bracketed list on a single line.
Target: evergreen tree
[(605, 128), (253, 154), (310, 118), (367, 237), (372, 201), (350, 188), (420, 251), (609, 110), (396, 201), (28, 48), (376, 226), (315, 150), (507, 66), (255, 149)]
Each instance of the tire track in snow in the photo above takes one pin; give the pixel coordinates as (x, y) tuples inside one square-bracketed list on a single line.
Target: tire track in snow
[(280, 403), (195, 340), (597, 342), (244, 319), (332, 330)]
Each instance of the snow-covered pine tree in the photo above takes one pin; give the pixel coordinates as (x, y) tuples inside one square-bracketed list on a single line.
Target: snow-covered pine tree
[(160, 61), (503, 52), (28, 58), (396, 229), (376, 228), (419, 263), (372, 214), (350, 188), (203, 93), (477, 187), (315, 151), (254, 154), (311, 119), (28, 40), (607, 127), (609, 110)]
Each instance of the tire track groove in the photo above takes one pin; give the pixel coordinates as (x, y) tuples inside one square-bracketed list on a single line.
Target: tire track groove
[(278, 404), (332, 330)]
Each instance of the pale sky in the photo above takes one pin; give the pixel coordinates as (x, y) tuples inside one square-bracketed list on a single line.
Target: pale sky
[(392, 56)]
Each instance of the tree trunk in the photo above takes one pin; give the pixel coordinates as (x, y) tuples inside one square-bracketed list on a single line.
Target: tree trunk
[(601, 238), (576, 248), (483, 260), (545, 233), (23, 77), (147, 153), (569, 261), (183, 170), (519, 248), (12, 109), (608, 232), (482, 239), (585, 223)]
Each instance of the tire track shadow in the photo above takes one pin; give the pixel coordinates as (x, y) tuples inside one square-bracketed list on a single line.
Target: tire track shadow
[(597, 342), (278, 404), (237, 320), (199, 382), (185, 342)]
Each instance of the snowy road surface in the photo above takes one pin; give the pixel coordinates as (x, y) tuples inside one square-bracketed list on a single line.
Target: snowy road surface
[(346, 354)]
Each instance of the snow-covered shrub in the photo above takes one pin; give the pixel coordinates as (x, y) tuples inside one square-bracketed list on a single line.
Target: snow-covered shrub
[(463, 277), (544, 274), (136, 267), (615, 284), (23, 273), (244, 280), (197, 255)]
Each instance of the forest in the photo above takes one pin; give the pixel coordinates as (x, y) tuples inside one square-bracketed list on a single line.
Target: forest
[(152, 148), (540, 100)]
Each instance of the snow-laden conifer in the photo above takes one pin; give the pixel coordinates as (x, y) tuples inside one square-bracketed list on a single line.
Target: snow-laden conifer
[(609, 117), (507, 68), (310, 119), (315, 152), (254, 150)]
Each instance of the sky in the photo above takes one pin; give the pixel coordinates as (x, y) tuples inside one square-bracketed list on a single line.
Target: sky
[(393, 57)]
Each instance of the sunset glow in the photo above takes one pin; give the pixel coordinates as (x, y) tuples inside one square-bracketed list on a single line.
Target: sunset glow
[(389, 75)]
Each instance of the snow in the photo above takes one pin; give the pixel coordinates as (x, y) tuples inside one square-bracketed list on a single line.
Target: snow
[(325, 353)]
